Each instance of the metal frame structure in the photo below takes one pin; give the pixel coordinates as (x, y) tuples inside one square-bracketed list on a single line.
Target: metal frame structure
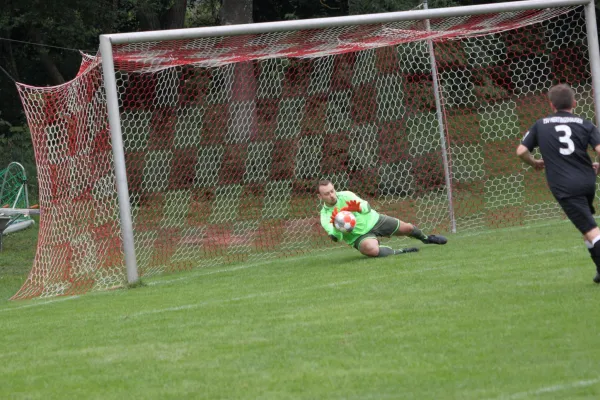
[(7, 214), (19, 167), (107, 41)]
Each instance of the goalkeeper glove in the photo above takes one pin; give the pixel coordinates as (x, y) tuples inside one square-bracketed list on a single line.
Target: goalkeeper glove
[(352, 206), (333, 214)]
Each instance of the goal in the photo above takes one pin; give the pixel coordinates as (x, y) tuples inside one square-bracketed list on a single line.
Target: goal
[(182, 149)]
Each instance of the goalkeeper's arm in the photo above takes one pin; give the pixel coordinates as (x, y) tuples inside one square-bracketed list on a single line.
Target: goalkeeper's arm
[(356, 204), (333, 233)]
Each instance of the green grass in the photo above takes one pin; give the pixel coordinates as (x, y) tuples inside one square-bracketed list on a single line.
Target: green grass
[(504, 314), (16, 259)]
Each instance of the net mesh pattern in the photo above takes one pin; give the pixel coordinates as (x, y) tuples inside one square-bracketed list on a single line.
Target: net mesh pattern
[(12, 187), (226, 137)]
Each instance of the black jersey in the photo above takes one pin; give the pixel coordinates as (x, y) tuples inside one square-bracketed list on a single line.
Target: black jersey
[(563, 139)]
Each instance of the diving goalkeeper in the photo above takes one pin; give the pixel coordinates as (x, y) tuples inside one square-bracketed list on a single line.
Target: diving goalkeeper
[(369, 224)]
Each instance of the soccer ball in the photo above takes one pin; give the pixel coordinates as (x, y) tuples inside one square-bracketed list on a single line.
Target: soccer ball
[(344, 221)]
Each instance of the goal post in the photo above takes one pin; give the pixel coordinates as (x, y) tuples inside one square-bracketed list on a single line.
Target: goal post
[(188, 148), (594, 52), (116, 135)]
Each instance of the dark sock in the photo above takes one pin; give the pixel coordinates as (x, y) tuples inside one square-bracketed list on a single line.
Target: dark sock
[(407, 250), (595, 253), (385, 251), (417, 234)]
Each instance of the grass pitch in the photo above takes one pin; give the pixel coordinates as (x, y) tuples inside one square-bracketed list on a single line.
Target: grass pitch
[(504, 314)]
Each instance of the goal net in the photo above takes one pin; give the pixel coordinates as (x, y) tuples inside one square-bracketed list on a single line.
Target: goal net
[(225, 138)]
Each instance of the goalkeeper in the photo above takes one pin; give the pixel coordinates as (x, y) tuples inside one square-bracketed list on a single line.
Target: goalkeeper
[(369, 224)]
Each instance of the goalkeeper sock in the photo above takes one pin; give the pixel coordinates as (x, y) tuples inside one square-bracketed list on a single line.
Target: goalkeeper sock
[(407, 250), (417, 234), (385, 251)]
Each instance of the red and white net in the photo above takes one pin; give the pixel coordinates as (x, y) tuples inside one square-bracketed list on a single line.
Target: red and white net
[(225, 138)]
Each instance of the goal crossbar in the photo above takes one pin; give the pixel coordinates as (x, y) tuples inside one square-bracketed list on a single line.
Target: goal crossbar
[(319, 23)]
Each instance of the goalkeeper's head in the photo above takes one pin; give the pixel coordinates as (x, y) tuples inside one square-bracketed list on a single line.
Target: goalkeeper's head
[(327, 193)]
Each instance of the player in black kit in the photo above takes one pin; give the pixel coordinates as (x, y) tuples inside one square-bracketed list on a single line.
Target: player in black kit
[(563, 139)]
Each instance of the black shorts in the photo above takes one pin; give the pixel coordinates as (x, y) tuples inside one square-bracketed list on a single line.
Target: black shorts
[(580, 210), (385, 227)]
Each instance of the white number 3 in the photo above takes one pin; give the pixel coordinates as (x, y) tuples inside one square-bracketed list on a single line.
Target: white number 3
[(566, 139)]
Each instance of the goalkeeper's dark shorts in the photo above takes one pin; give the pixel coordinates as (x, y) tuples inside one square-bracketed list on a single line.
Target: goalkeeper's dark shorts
[(385, 227), (580, 210)]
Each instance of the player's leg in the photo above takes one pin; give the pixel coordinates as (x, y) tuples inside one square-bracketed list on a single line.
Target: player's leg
[(592, 241), (592, 236), (369, 246), (580, 210)]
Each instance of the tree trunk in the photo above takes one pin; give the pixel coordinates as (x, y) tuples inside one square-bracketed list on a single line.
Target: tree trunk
[(344, 7), (243, 113), (236, 12), (56, 77), (7, 59), (148, 18), (174, 18)]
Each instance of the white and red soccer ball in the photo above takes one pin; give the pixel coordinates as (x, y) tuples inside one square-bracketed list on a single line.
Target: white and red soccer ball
[(344, 221)]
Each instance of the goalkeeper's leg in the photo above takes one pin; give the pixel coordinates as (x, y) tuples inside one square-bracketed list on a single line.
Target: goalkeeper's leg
[(370, 247), (407, 229)]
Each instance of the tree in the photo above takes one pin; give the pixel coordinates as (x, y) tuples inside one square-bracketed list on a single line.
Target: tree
[(203, 13), (279, 10), (159, 14), (65, 24), (357, 7), (236, 12), (44, 35), (244, 85)]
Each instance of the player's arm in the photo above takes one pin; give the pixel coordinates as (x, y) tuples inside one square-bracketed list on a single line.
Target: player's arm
[(525, 155), (595, 143), (524, 149), (596, 165), (333, 233)]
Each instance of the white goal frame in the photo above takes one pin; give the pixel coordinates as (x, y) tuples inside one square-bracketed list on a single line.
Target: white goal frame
[(106, 51)]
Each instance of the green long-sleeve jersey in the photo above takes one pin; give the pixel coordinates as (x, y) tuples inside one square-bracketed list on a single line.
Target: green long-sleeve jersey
[(365, 220)]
